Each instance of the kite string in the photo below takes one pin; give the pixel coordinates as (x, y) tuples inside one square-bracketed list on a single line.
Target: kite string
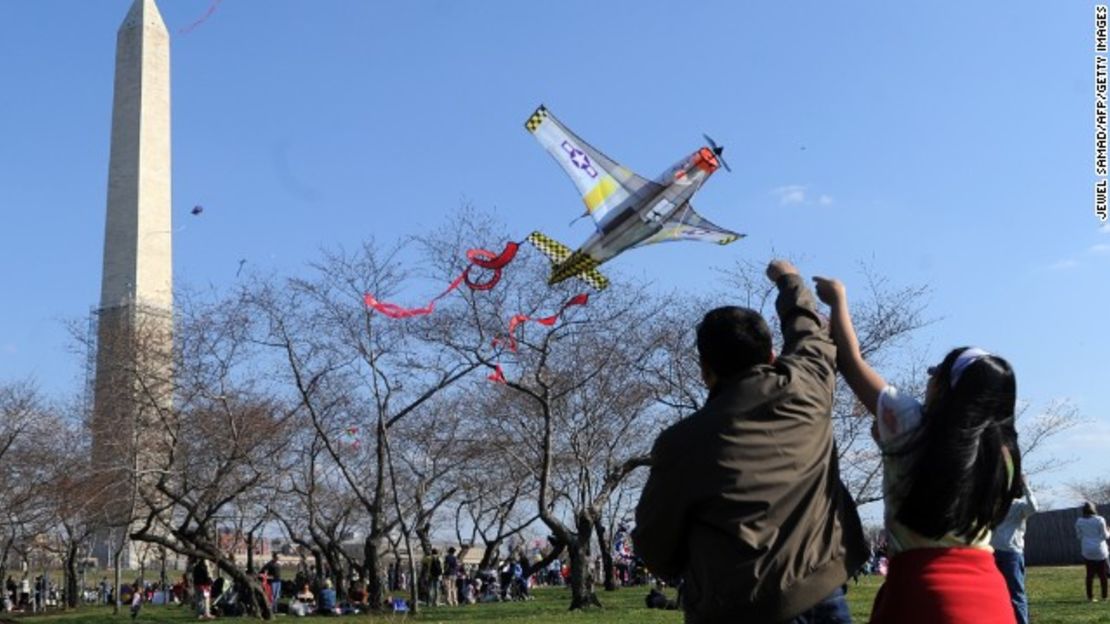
[(203, 18)]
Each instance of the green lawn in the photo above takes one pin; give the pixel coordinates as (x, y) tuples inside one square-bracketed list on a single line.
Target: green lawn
[(1056, 595)]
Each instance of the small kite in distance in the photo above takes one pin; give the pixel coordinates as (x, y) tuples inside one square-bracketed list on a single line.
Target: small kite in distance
[(197, 210), (211, 9)]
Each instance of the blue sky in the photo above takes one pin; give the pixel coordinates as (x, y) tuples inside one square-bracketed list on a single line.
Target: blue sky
[(950, 143)]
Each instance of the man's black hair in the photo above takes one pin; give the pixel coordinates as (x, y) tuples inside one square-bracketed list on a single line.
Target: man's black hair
[(732, 339)]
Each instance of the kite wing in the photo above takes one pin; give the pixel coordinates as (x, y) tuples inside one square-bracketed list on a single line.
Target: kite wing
[(686, 224), (603, 183)]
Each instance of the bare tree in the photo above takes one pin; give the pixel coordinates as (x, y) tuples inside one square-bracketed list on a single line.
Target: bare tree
[(25, 470), (616, 515), (317, 512), (493, 495), (1095, 490), (1036, 431), (71, 494), (573, 403), (571, 417), (209, 439), (353, 368)]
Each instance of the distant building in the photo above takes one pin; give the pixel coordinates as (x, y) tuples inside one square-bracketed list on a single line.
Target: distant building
[(236, 543)]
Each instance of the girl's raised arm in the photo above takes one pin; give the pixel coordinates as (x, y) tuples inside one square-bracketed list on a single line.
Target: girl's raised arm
[(861, 378)]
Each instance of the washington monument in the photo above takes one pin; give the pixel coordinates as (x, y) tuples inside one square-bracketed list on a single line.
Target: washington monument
[(133, 387)]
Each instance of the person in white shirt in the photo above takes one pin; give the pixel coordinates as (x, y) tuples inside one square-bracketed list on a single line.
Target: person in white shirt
[(1092, 533), (1008, 541)]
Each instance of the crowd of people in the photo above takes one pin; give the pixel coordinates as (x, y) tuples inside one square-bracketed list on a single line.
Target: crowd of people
[(30, 595), (440, 581)]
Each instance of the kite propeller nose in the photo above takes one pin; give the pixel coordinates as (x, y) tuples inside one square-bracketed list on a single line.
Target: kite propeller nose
[(717, 151)]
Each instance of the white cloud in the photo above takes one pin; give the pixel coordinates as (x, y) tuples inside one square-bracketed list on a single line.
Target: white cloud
[(1100, 248), (1063, 265), (10, 348), (1105, 228), (790, 194), (798, 194)]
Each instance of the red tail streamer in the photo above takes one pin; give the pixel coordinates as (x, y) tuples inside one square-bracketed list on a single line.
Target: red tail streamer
[(510, 340), (498, 375), (478, 257)]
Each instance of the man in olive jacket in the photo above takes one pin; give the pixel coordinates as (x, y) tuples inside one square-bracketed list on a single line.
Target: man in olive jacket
[(744, 500)]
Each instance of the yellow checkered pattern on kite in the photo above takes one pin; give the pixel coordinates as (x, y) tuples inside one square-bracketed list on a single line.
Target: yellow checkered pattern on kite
[(553, 249), (536, 119), (580, 262), (568, 264), (594, 278)]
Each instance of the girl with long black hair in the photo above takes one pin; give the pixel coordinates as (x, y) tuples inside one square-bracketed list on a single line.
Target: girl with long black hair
[(950, 469)]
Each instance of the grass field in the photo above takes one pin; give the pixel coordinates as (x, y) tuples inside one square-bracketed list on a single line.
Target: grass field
[(1056, 596)]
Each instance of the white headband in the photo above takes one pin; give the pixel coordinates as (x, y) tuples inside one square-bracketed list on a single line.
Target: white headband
[(965, 359)]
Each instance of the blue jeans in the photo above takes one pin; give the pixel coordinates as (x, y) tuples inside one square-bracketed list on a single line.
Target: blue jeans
[(275, 593), (1012, 567), (832, 610)]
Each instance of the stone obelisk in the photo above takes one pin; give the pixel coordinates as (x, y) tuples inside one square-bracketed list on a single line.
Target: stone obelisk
[(133, 387)]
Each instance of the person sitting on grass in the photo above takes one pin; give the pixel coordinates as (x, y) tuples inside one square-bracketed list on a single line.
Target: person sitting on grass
[(327, 599), (951, 470), (358, 596)]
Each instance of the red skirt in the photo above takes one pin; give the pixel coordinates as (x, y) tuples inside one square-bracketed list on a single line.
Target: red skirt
[(943, 586)]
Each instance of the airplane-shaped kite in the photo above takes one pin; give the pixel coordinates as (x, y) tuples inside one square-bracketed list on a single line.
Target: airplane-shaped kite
[(628, 209)]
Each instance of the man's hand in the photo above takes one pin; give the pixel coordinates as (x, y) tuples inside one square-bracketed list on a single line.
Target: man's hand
[(778, 268), (829, 290)]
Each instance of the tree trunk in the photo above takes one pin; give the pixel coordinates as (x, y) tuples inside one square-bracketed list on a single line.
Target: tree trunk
[(71, 576), (372, 549), (189, 595), (371, 570), (490, 555), (606, 555), (257, 597), (582, 594), (250, 552), (414, 608), (162, 579), (116, 556), (335, 564), (423, 534)]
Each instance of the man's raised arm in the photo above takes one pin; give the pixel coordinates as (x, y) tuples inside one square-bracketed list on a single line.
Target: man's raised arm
[(804, 337)]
